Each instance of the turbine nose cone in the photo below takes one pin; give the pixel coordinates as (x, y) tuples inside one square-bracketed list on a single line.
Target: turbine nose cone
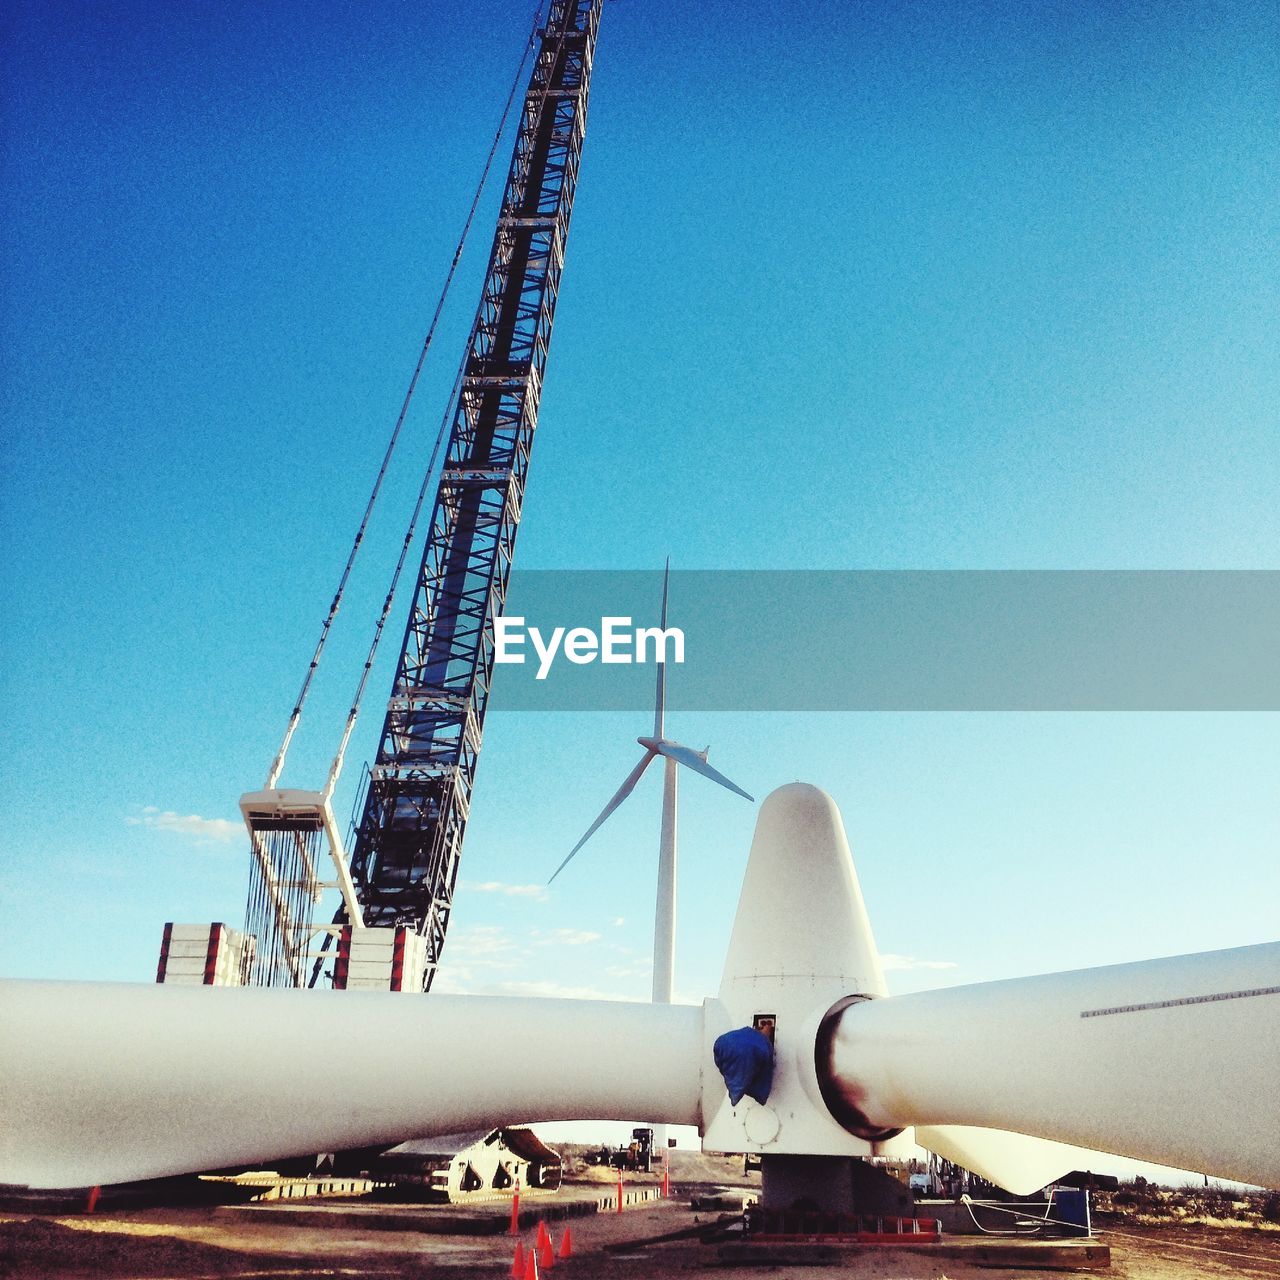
[(801, 943), (802, 800), (801, 913)]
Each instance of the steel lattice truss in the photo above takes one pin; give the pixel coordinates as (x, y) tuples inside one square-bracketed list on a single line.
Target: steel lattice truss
[(409, 838)]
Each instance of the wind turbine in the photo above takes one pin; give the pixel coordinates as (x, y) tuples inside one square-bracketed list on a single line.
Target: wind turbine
[(674, 755), (1170, 1060)]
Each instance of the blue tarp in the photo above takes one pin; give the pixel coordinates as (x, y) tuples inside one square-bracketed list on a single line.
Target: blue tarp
[(745, 1059)]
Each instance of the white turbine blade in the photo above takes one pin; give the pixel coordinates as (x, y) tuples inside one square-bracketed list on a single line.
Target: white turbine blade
[(1014, 1161), (660, 702), (692, 760), (1170, 1060), (628, 786), (112, 1082)]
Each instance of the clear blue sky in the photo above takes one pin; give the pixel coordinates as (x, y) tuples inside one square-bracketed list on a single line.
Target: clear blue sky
[(923, 286)]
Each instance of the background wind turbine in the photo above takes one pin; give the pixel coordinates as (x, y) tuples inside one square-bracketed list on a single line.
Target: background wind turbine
[(673, 754)]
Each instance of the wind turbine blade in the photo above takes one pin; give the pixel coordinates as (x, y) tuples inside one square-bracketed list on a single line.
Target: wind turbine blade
[(1014, 1161), (660, 702), (692, 760), (108, 1082), (1169, 1060), (619, 796)]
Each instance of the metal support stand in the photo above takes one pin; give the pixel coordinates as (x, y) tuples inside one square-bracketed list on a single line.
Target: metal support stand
[(832, 1184)]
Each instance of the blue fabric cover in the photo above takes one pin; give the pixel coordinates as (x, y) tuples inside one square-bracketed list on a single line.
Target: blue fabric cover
[(745, 1058)]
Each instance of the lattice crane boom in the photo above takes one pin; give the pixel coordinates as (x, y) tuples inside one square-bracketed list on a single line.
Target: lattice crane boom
[(409, 836)]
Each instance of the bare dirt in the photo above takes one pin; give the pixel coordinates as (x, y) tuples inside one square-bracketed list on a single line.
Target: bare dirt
[(1175, 1252), (191, 1243)]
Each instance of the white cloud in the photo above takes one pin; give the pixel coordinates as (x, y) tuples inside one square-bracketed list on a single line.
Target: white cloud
[(453, 982), (490, 959), (906, 964), (481, 942), (566, 937), (619, 922), (202, 830), (538, 892)]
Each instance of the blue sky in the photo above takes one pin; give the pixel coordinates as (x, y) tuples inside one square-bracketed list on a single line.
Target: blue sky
[(905, 286)]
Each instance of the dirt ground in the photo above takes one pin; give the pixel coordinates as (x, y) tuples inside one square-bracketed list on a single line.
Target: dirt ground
[(207, 1242), (1181, 1252)]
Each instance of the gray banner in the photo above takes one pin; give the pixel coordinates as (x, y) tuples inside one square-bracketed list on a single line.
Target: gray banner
[(910, 641)]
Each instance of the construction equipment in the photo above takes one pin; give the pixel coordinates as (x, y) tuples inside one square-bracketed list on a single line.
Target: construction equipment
[(635, 1156), (397, 885), (409, 837), (458, 1167)]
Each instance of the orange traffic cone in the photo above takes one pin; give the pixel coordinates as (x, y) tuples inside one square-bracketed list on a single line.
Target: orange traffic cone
[(546, 1254), (531, 1265), (517, 1263), (543, 1236), (566, 1244)]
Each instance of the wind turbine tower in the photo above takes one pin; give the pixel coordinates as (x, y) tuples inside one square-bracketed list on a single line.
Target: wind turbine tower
[(674, 755)]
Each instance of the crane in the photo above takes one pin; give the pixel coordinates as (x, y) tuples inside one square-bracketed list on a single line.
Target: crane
[(408, 839), (397, 885)]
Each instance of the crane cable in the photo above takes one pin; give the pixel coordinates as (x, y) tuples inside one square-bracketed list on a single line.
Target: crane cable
[(336, 768), (277, 765)]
